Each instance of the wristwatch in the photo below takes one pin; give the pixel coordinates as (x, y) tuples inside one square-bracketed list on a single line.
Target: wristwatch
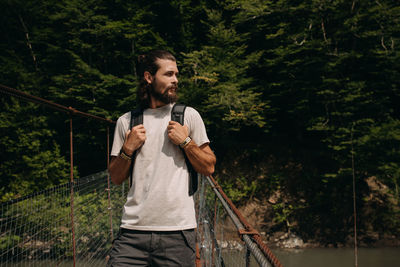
[(185, 142)]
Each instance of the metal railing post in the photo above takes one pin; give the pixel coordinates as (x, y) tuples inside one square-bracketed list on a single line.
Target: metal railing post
[(214, 239), (108, 183), (72, 188)]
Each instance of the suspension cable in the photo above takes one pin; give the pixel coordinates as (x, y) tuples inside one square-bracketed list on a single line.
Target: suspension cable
[(261, 252), (34, 99)]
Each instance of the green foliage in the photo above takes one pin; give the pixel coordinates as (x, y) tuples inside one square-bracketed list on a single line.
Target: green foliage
[(30, 158), (297, 91), (283, 212), (380, 147), (41, 218), (219, 78), (7, 241), (241, 191)]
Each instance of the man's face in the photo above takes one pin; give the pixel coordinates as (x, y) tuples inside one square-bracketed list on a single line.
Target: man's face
[(164, 83)]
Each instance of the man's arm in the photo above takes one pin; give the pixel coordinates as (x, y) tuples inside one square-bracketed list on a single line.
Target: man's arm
[(202, 158), (120, 166), (119, 169)]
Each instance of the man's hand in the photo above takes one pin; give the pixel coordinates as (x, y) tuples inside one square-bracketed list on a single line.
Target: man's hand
[(176, 132), (134, 139), (202, 158)]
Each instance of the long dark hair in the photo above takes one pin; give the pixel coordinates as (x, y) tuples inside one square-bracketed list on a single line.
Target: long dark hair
[(148, 62)]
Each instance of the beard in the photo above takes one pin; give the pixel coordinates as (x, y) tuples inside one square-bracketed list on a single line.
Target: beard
[(165, 97)]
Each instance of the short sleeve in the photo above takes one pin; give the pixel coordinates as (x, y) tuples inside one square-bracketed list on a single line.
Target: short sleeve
[(197, 129), (119, 133)]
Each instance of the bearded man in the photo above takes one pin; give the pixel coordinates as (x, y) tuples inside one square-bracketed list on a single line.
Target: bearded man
[(158, 221)]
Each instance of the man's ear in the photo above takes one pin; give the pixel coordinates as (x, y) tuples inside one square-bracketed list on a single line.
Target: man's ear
[(148, 77)]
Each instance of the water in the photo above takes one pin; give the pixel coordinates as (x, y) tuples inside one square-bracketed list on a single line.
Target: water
[(315, 257), (328, 257)]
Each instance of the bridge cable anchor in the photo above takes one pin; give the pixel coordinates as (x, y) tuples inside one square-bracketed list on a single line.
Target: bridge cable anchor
[(251, 232)]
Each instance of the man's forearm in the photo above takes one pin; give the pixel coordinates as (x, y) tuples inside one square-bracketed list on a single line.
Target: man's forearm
[(119, 169), (120, 166), (202, 158)]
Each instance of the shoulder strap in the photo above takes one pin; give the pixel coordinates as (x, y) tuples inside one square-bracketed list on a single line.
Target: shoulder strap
[(136, 119), (178, 115)]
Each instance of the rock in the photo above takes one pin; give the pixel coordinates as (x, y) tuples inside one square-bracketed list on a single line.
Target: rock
[(292, 241), (285, 236), (230, 244), (277, 235)]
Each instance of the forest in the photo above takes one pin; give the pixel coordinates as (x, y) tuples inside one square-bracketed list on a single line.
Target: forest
[(300, 99)]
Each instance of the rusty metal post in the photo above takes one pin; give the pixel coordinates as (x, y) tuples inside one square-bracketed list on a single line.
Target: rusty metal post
[(198, 258), (72, 188), (247, 256), (199, 233), (108, 183)]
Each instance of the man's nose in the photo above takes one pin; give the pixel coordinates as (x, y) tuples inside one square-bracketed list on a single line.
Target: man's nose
[(175, 79)]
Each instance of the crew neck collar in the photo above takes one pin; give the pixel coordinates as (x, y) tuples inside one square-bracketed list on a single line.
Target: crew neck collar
[(163, 108)]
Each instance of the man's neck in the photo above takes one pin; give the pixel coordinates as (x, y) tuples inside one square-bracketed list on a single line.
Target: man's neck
[(154, 103)]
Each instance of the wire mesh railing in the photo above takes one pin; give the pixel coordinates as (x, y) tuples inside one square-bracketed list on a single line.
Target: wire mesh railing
[(36, 229), (73, 185), (224, 237)]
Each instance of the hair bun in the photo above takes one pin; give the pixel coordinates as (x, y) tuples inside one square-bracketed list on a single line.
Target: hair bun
[(141, 58)]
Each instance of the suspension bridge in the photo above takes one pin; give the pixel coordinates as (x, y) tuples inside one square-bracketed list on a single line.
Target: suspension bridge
[(73, 224)]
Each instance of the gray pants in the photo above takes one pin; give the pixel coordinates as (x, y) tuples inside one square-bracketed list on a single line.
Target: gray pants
[(148, 248)]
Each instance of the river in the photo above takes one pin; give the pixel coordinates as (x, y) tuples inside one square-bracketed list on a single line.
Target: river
[(313, 257), (322, 257), (343, 257)]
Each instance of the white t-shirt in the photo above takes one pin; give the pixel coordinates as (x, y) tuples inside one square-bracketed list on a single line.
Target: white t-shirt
[(158, 199)]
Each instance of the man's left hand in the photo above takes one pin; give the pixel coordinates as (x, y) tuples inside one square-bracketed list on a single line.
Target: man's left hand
[(176, 132)]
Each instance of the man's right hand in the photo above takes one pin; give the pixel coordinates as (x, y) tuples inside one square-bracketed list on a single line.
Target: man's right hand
[(134, 139)]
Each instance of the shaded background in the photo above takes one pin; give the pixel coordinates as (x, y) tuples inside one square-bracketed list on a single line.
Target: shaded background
[(297, 96)]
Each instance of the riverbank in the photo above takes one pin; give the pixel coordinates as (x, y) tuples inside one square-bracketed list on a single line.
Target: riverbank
[(334, 257), (259, 214), (289, 240)]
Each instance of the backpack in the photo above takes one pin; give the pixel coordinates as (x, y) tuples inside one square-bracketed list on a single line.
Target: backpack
[(177, 114)]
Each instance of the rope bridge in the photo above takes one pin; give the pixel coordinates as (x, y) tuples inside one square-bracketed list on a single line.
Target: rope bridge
[(73, 224)]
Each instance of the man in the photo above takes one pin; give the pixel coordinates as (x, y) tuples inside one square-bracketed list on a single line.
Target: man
[(157, 227)]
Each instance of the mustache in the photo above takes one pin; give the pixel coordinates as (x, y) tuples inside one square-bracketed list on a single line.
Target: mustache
[(173, 87)]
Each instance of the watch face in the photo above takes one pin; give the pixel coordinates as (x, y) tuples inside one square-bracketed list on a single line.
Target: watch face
[(187, 141)]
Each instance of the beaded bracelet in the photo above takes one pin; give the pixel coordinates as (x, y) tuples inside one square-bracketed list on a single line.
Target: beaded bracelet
[(124, 155)]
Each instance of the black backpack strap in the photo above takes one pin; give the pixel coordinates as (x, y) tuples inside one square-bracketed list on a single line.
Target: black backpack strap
[(136, 119), (178, 115)]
